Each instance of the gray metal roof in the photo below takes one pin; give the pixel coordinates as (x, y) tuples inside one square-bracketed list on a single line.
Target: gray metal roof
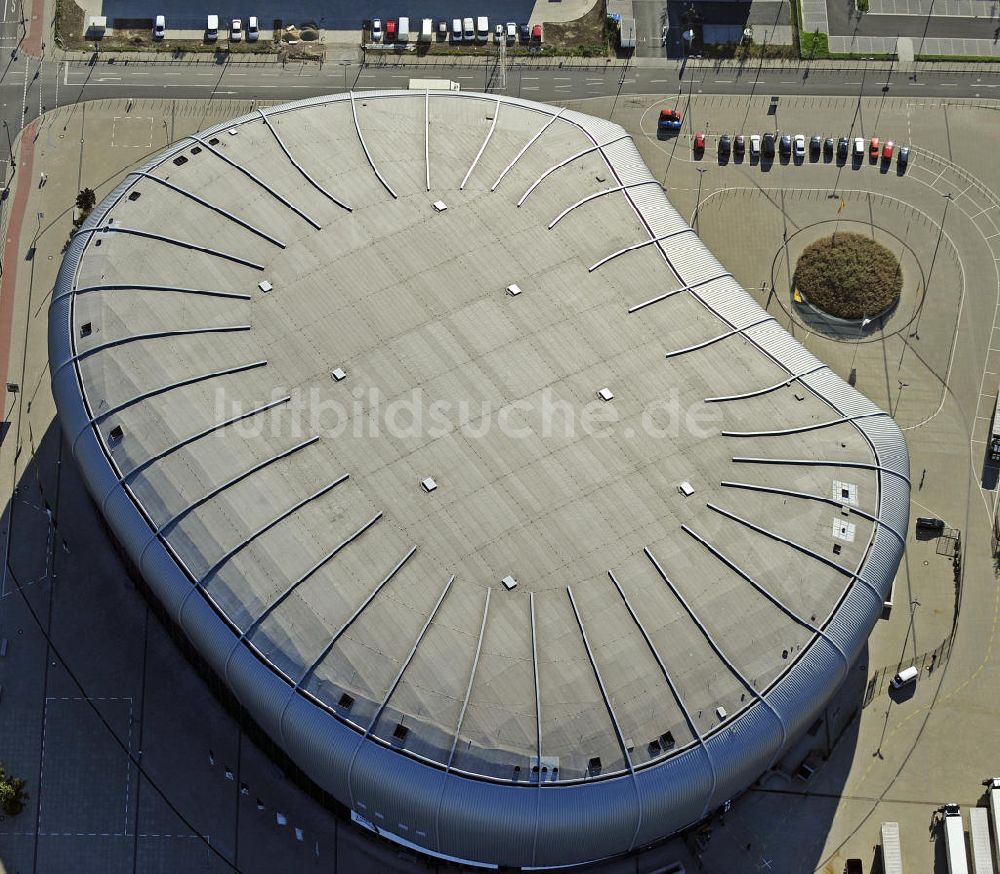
[(341, 599)]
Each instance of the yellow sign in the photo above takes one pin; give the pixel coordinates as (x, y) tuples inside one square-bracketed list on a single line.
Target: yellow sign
[(797, 296)]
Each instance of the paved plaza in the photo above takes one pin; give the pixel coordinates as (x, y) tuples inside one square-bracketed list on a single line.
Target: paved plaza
[(133, 765)]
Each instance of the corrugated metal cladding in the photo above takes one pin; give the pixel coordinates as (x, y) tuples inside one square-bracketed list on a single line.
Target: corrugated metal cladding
[(515, 823)]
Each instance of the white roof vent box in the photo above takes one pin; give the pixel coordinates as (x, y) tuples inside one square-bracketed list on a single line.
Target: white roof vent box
[(509, 583), (686, 489)]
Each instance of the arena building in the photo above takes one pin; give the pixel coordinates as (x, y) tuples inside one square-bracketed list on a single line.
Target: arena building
[(497, 503)]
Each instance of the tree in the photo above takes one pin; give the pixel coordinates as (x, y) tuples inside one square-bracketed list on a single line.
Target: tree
[(12, 794), (86, 200)]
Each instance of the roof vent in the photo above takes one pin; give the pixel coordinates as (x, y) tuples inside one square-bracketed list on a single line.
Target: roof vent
[(605, 394), (429, 484), (720, 711), (196, 150), (86, 329), (400, 731), (117, 433), (440, 205), (667, 740), (509, 583), (180, 160), (338, 374), (214, 141), (594, 765), (686, 489), (232, 132), (135, 195), (265, 286), (346, 701), (654, 748), (513, 290)]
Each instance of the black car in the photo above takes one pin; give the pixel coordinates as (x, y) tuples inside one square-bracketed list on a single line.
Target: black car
[(929, 523), (524, 32), (767, 146), (828, 147), (903, 158), (725, 144), (739, 145), (814, 146), (786, 144), (843, 147)]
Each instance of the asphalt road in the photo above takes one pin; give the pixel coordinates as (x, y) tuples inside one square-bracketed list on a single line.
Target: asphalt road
[(29, 86)]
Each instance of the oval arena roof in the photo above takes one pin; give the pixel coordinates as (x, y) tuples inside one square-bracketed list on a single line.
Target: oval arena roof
[(268, 337)]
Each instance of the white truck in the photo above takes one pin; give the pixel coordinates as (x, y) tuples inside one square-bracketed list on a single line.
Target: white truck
[(403, 34), (954, 840), (426, 30), (626, 33), (979, 832), (892, 854), (434, 85), (993, 790)]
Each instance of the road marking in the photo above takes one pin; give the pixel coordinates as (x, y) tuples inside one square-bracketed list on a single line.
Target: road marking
[(65, 72), (725, 81), (658, 81), (530, 88)]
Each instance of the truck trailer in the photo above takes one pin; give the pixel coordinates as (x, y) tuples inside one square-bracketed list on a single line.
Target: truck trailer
[(993, 797), (954, 840), (979, 832), (892, 854)]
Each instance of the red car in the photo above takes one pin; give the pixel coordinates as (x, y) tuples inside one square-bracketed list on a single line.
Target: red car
[(873, 148), (390, 30), (536, 33), (699, 142), (670, 119), (887, 151)]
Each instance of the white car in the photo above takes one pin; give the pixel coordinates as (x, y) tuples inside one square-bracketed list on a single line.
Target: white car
[(236, 31), (511, 33), (456, 30), (498, 34), (859, 148), (800, 146), (376, 30), (754, 145), (159, 27), (253, 29), (468, 30)]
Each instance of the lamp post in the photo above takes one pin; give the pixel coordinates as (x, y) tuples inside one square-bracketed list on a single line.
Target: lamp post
[(10, 146)]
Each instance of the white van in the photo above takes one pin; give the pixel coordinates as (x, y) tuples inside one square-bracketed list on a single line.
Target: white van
[(907, 675), (212, 30), (468, 30), (482, 29), (426, 30), (456, 30), (404, 30)]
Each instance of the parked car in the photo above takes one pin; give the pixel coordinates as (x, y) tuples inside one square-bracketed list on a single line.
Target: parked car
[(887, 151), (456, 30), (699, 142), (903, 158), (843, 146), (253, 29), (511, 33), (873, 148), (767, 147), (754, 145), (815, 144), (725, 146), (739, 146), (498, 34), (536, 34), (212, 28), (482, 28), (930, 523), (442, 31), (828, 147), (800, 146), (468, 30), (670, 120), (859, 148), (390, 30), (785, 146), (159, 27), (524, 32), (236, 31)]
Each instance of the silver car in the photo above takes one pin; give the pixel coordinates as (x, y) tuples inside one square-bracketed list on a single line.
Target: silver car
[(754, 145)]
